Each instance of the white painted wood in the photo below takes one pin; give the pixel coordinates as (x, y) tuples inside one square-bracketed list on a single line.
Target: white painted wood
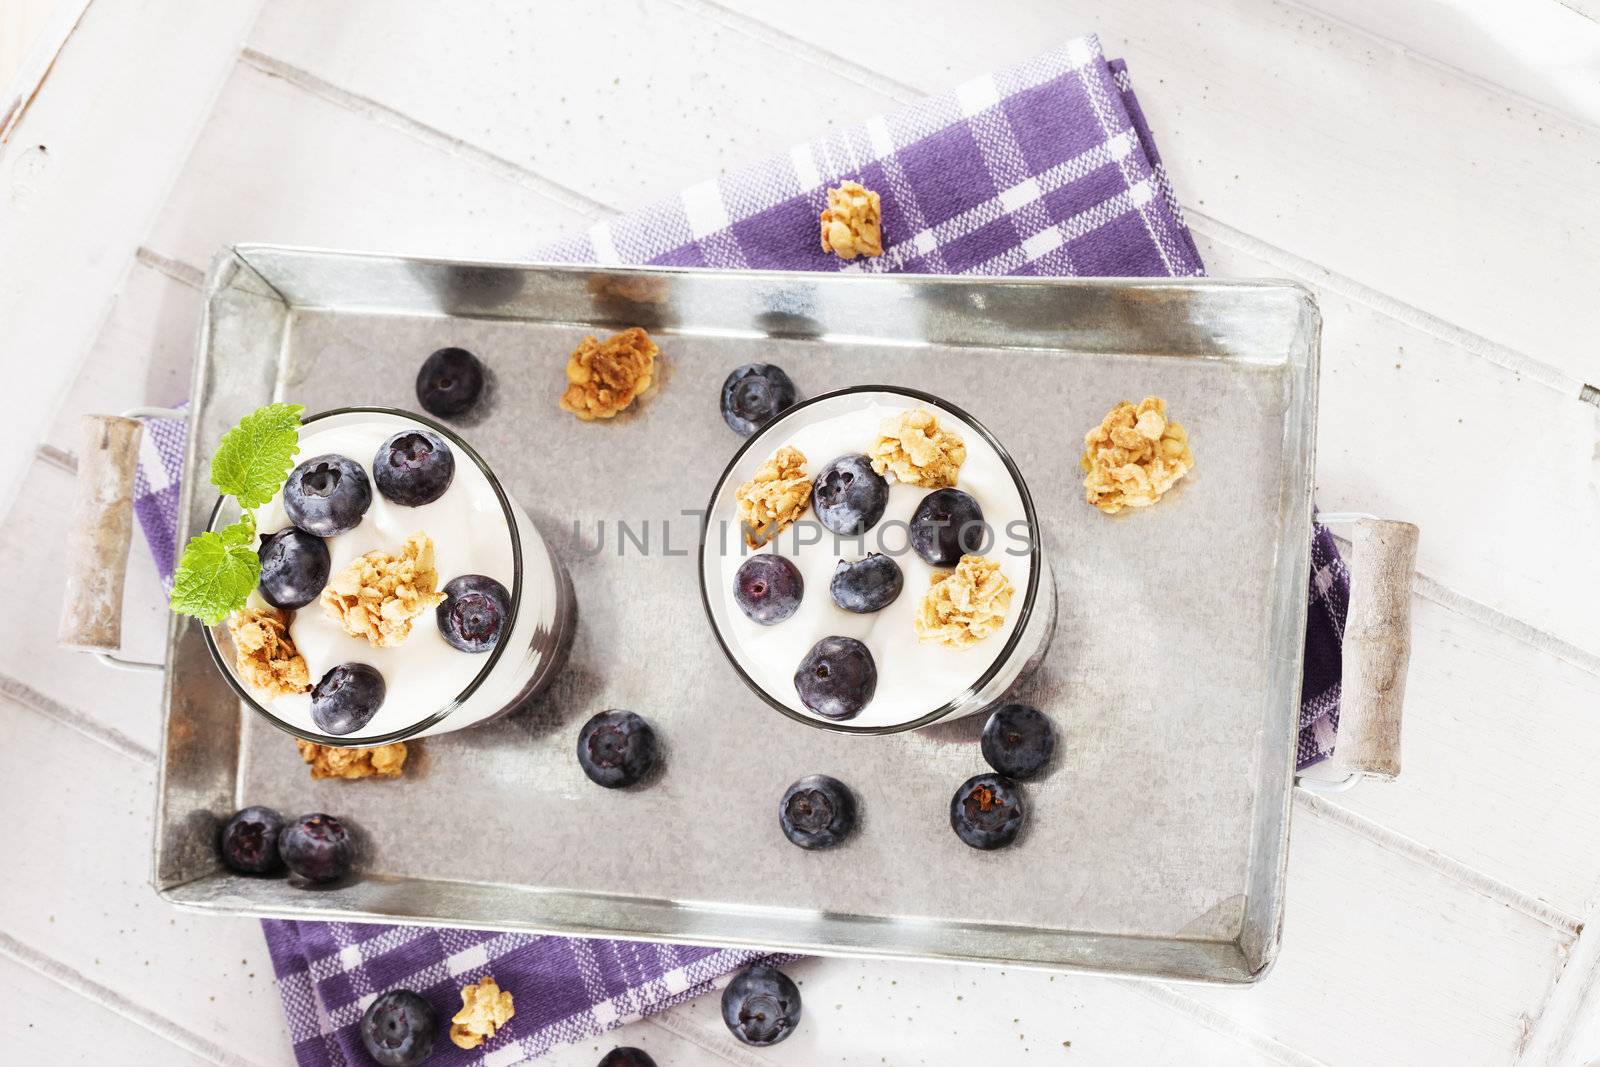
[(69, 231)]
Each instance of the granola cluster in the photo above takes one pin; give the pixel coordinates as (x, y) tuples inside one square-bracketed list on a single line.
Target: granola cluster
[(851, 223), (384, 761), (485, 1007), (604, 377), (913, 447), (777, 496), (265, 656), (965, 605), (1134, 456), (379, 594)]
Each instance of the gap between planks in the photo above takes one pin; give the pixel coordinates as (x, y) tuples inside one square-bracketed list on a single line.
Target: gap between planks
[(110, 999), (26, 696), (1222, 1023)]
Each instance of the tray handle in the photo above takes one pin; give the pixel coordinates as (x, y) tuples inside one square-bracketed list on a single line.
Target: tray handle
[(99, 535), (1377, 648)]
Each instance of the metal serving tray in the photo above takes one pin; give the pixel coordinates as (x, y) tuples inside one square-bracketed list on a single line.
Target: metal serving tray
[(1156, 844)]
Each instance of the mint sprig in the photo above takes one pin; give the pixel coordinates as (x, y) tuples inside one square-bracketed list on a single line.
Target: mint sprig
[(219, 569)]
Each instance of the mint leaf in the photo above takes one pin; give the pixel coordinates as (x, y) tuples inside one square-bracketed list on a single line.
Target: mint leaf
[(216, 573), (254, 458)]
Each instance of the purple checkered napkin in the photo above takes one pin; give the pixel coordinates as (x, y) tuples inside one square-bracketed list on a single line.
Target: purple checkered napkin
[(1044, 168)]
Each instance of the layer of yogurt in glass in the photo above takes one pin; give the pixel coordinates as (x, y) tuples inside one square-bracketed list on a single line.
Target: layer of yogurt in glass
[(914, 677)]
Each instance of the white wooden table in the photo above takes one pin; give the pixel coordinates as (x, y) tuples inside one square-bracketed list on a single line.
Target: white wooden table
[(1431, 168)]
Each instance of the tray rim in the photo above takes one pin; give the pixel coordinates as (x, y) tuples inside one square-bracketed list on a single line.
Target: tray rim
[(1191, 960)]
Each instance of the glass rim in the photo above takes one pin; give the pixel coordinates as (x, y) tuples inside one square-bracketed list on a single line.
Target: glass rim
[(1035, 561), (513, 530)]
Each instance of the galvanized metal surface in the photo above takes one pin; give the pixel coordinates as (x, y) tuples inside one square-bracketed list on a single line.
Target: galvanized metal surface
[(1155, 844)]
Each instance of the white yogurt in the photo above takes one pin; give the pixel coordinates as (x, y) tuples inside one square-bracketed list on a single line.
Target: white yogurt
[(914, 677), (470, 536)]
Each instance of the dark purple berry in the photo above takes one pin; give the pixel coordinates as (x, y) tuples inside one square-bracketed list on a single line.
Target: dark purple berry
[(627, 1056), (317, 847), (327, 495), (849, 496), (987, 811), (1018, 741), (866, 585), (947, 525), (250, 841), (761, 1006), (753, 395), (768, 588), (398, 1029), (837, 678), (294, 568), (450, 382), (817, 812), (414, 467), (346, 698), (616, 748), (474, 612)]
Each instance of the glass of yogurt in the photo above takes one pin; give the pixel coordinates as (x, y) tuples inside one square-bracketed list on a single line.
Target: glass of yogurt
[(791, 641), (494, 657)]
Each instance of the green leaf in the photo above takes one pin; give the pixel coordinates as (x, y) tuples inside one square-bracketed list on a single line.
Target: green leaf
[(255, 457), (216, 573)]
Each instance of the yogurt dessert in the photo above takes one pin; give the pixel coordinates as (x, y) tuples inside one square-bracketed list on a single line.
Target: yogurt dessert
[(402, 593), (870, 563)]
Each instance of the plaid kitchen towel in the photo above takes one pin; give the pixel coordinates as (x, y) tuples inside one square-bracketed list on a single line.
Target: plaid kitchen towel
[(1044, 168)]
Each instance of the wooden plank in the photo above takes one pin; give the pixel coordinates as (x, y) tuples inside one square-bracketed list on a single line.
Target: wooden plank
[(76, 892), (99, 113)]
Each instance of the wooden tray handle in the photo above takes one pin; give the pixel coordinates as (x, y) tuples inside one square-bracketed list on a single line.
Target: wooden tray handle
[(1377, 647), (97, 541)]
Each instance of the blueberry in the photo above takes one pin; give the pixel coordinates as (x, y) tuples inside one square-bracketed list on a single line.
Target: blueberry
[(294, 568), (398, 1029), (761, 1006), (450, 382), (817, 812), (987, 811), (474, 612), (317, 847), (867, 585), (347, 698), (837, 678), (250, 841), (414, 467), (753, 394), (616, 748), (1018, 741), (849, 496), (627, 1056), (947, 525), (327, 495), (767, 588)]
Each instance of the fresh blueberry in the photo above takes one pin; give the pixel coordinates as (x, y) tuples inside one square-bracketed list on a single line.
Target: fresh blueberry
[(327, 495), (474, 612), (849, 496), (768, 588), (347, 698), (947, 525), (761, 1006), (414, 467), (753, 394), (1018, 741), (317, 847), (837, 678), (987, 811), (294, 568), (817, 812), (450, 382), (250, 841), (616, 748), (867, 585), (398, 1029), (627, 1056)]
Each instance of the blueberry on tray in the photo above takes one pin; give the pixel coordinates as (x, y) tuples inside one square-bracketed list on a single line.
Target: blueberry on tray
[(753, 395), (817, 812), (987, 811), (317, 847), (327, 495), (450, 382), (837, 678), (1018, 741), (761, 1006), (250, 841), (616, 748)]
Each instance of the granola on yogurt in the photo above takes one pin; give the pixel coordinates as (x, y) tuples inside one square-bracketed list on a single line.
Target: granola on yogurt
[(266, 657), (380, 594), (917, 451), (776, 496), (963, 606)]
